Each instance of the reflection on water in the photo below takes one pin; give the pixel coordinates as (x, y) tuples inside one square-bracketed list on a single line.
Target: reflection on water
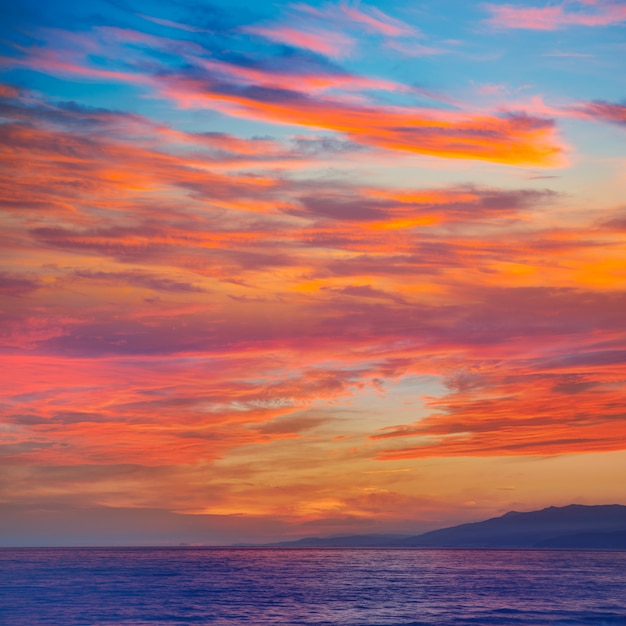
[(343, 587)]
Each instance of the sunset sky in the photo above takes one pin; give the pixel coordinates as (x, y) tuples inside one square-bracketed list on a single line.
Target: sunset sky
[(273, 270)]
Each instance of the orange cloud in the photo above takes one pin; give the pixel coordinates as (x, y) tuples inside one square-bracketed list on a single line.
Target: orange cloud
[(264, 90), (512, 139), (518, 420)]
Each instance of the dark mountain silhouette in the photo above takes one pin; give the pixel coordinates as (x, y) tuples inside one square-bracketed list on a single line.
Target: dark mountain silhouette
[(543, 528), (575, 527)]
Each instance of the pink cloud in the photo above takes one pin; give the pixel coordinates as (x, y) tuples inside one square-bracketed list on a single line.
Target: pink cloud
[(491, 89), (348, 16), (556, 16), (603, 111), (323, 30), (314, 80), (323, 41), (72, 64), (8, 91), (374, 19)]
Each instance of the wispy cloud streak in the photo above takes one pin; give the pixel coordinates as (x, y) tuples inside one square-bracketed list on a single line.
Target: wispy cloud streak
[(554, 17)]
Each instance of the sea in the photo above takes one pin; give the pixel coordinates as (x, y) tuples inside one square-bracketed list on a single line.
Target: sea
[(311, 586)]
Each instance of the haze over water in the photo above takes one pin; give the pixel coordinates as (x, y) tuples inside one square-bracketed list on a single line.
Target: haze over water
[(322, 587)]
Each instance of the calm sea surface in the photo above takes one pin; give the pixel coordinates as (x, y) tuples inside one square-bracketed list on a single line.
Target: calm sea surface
[(344, 587)]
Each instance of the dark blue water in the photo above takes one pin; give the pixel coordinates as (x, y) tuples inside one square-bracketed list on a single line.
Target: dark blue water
[(344, 587)]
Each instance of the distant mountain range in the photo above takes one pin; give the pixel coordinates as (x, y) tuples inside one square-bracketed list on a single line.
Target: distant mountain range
[(575, 526)]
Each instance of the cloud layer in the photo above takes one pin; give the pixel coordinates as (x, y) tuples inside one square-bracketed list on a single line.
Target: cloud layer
[(242, 276)]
